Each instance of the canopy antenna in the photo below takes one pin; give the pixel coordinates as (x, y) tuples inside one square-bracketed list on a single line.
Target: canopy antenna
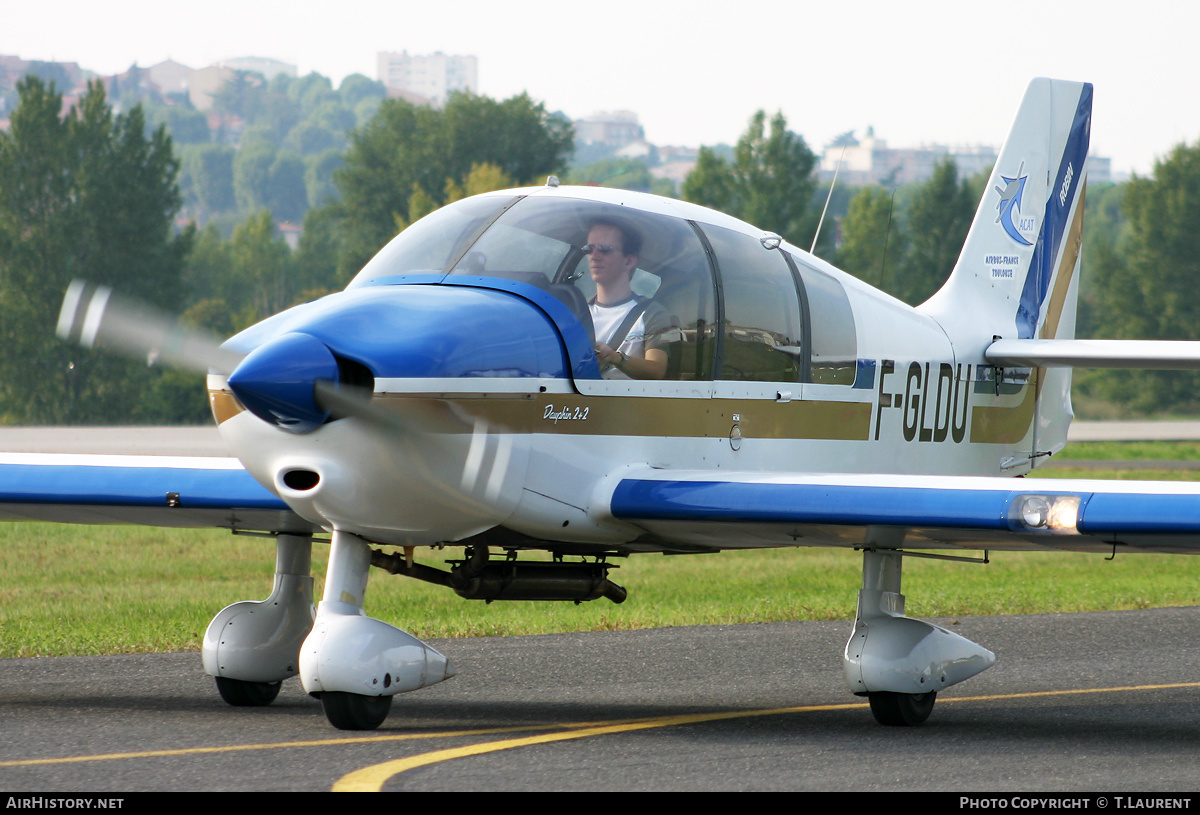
[(886, 236), (824, 209)]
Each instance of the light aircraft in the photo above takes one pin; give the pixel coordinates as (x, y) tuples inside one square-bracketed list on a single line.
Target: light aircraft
[(452, 396)]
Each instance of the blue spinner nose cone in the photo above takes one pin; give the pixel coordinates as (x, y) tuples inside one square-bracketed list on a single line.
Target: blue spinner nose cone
[(275, 381)]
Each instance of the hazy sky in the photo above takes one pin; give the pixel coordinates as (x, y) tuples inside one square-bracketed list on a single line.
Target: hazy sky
[(948, 71)]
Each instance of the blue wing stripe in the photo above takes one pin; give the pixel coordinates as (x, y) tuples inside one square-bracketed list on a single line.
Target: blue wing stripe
[(133, 487), (1103, 511), (810, 503), (1133, 513)]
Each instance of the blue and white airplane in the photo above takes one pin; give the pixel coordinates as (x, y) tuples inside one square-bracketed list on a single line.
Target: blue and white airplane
[(457, 394)]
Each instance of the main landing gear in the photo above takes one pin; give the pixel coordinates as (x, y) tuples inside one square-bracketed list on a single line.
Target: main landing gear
[(897, 662), (247, 694), (352, 663), (252, 646)]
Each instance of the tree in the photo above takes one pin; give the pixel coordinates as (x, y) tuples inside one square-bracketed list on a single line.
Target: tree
[(938, 217), (252, 175), (624, 173), (208, 178), (261, 271), (318, 177), (241, 96), (769, 182), (86, 195), (235, 283), (482, 178), (53, 74), (406, 147), (311, 91), (356, 88), (286, 193), (1144, 279), (873, 243), (186, 126)]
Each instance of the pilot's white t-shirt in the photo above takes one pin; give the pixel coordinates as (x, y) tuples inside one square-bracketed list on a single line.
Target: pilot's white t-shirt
[(652, 329)]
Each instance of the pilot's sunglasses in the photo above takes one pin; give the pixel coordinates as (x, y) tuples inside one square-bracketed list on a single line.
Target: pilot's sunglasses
[(602, 248)]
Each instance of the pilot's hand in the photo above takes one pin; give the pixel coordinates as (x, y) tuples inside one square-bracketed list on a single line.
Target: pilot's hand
[(607, 355)]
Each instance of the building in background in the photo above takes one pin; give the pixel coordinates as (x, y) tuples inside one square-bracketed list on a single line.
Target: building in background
[(431, 77), (869, 160), (170, 77), (614, 129)]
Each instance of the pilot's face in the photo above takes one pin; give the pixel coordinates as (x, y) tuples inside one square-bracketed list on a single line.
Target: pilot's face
[(608, 267)]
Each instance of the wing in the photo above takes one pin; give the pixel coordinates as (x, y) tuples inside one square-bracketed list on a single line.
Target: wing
[(717, 509), (180, 491)]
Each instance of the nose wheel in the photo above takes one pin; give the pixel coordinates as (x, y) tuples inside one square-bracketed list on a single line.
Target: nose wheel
[(897, 662), (353, 711), (901, 709)]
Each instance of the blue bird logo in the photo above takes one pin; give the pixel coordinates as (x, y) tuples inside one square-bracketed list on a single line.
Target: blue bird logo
[(1010, 204)]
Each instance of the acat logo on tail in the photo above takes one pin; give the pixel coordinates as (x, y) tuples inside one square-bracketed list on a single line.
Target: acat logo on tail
[(1009, 206)]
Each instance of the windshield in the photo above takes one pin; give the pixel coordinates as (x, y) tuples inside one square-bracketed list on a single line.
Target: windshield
[(542, 241), (432, 243)]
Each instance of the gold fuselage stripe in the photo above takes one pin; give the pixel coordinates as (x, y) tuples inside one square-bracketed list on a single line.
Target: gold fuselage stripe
[(574, 414)]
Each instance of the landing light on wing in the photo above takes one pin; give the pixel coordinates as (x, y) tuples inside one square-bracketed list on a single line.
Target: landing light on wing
[(1045, 513)]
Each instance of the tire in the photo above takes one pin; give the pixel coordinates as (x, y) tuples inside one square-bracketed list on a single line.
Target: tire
[(247, 694), (901, 709), (353, 711)]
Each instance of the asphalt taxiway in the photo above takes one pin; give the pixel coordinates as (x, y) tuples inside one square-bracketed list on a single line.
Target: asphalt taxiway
[(1097, 701)]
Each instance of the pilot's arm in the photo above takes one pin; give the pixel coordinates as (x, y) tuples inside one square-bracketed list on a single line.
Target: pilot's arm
[(653, 366)]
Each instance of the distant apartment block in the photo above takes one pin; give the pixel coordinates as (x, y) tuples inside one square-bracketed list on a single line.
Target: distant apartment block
[(432, 77), (614, 129), (869, 160)]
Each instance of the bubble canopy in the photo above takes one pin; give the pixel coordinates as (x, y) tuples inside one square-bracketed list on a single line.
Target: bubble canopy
[(739, 301)]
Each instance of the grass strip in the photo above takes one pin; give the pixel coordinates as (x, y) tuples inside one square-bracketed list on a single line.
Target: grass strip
[(77, 590)]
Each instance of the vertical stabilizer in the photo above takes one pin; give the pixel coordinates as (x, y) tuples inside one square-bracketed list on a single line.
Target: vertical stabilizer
[(1020, 257), (1017, 275)]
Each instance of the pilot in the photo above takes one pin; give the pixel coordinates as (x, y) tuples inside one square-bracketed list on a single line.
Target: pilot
[(633, 333)]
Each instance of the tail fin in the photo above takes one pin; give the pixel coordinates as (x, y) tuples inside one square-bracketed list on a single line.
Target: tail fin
[(1016, 276)]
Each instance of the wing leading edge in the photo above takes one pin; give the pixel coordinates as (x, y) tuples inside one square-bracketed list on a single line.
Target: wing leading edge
[(701, 508), (179, 491)]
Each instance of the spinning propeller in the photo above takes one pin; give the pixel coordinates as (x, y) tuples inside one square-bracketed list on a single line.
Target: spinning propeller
[(293, 381)]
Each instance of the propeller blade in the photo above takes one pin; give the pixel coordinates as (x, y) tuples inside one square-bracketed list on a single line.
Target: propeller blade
[(344, 401), (96, 317)]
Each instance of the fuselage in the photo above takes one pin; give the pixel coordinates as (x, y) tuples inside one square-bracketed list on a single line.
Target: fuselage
[(472, 329)]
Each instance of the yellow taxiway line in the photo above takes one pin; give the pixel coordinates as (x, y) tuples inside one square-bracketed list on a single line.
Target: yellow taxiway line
[(374, 777)]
